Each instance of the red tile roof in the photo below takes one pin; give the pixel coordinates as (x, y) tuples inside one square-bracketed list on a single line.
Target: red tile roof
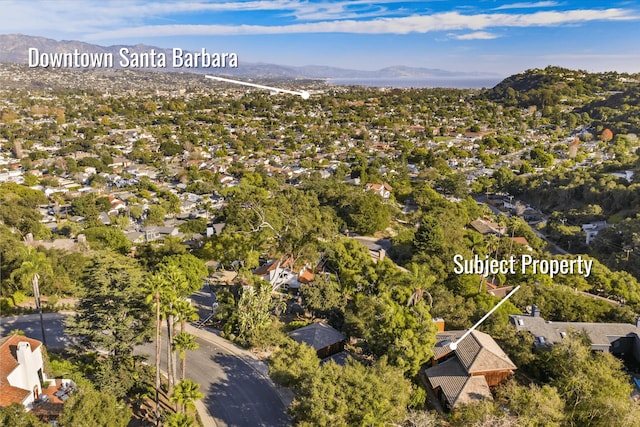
[(306, 276), (8, 363), (521, 240)]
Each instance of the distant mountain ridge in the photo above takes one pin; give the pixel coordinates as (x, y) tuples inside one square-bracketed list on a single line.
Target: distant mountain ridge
[(14, 49)]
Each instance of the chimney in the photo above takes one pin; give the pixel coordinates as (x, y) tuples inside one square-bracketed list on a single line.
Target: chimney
[(439, 324), (535, 311), (23, 353)]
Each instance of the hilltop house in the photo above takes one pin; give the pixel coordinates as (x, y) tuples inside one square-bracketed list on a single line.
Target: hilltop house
[(486, 226), (592, 229), (464, 375), (384, 190)]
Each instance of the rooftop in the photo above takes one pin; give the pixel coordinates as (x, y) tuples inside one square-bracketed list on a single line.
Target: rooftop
[(600, 334), (317, 335)]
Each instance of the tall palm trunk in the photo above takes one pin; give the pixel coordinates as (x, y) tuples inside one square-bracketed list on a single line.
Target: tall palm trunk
[(158, 347), (183, 373), (36, 294), (171, 371), (184, 367)]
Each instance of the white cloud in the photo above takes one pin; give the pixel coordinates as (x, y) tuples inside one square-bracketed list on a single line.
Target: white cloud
[(120, 19), (527, 5), (477, 35), (448, 21)]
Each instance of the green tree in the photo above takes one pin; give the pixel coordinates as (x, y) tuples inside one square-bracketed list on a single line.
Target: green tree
[(405, 334), (324, 299), (113, 297), (253, 311), (350, 260), (105, 237), (174, 288), (193, 269), (365, 213), (89, 407), (156, 215), (34, 263), (293, 364), (180, 419), (534, 406), (185, 395), (16, 416), (352, 395), (155, 285), (429, 238), (182, 342), (595, 390)]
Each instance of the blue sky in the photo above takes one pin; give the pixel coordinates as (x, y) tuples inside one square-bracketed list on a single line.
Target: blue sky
[(496, 36)]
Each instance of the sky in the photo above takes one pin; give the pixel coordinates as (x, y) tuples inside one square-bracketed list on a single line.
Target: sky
[(489, 36)]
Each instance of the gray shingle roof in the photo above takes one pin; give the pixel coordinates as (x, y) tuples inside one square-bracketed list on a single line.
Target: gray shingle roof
[(317, 335), (600, 334), (456, 384), (478, 352)]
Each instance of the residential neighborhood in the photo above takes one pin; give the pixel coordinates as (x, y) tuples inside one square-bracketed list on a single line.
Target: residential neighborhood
[(186, 254)]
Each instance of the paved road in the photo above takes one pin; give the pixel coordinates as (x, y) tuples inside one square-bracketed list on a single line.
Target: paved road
[(236, 387), (30, 324), (237, 391)]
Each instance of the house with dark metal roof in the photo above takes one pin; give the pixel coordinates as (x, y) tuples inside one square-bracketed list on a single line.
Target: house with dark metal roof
[(465, 375), (324, 339)]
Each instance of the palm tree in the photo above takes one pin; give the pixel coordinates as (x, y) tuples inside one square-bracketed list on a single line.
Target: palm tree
[(33, 264), (475, 242), (179, 419), (175, 284), (182, 342), (185, 394), (156, 285), (185, 312)]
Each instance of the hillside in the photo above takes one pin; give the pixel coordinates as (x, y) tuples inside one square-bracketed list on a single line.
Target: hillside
[(620, 111), (554, 85)]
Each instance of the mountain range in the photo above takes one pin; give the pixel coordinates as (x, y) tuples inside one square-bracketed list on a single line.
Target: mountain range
[(14, 49)]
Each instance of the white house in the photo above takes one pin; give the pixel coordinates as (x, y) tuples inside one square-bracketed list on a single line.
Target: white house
[(384, 190), (592, 229), (21, 371)]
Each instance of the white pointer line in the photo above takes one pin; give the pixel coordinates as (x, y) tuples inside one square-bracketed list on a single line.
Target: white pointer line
[(303, 94), (454, 344)]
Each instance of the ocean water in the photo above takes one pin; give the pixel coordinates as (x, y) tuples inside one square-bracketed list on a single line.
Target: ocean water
[(445, 82)]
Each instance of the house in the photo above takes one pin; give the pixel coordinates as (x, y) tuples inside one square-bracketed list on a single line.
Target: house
[(383, 190), (376, 248), (592, 229), (154, 232), (21, 371), (324, 339), (278, 273), (486, 226), (494, 288), (281, 274), (465, 375), (523, 242), (620, 339), (215, 228)]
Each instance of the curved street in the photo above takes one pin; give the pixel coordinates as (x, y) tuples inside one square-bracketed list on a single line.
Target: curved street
[(237, 390)]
